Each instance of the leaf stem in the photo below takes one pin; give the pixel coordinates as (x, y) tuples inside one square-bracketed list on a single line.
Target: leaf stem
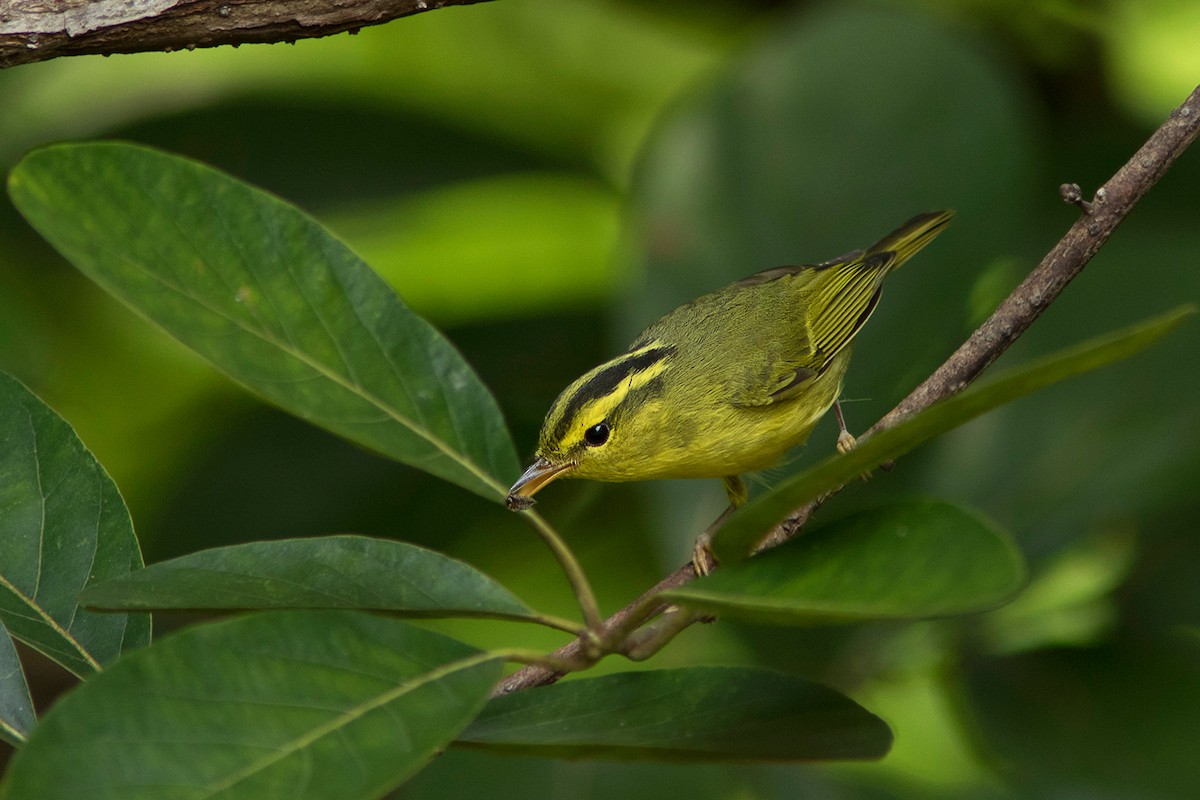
[(537, 658), (558, 623), (574, 572), (642, 609), (646, 641)]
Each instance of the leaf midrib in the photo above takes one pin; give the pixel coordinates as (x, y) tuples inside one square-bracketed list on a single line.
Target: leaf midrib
[(345, 718), (317, 366), (50, 622)]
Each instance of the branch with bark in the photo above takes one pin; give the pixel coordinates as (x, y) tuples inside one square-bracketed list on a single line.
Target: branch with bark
[(38, 31), (1110, 205)]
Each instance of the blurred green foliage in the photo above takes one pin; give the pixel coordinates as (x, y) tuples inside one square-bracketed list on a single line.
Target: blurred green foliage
[(541, 179)]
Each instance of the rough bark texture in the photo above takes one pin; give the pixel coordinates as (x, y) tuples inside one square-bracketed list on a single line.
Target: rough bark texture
[(1100, 217), (38, 30)]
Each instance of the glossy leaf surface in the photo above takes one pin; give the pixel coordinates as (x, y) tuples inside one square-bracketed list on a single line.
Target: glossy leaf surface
[(734, 541), (63, 526), (325, 572), (266, 294), (16, 707), (693, 714), (291, 705), (900, 561)]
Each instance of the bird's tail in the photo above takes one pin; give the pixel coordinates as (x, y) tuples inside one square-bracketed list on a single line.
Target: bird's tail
[(910, 237)]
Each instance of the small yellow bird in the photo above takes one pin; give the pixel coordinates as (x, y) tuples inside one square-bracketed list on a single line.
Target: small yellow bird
[(725, 384)]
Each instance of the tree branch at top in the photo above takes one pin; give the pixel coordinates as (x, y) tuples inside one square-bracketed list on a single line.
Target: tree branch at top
[(32, 32)]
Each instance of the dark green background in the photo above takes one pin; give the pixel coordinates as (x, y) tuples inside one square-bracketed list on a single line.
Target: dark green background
[(542, 178)]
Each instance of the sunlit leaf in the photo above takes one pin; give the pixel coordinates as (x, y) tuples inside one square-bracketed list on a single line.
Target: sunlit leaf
[(296, 705), (693, 714), (903, 560), (326, 572), (264, 292), (1151, 64), (1071, 600), (538, 242), (737, 537), (63, 526), (16, 707)]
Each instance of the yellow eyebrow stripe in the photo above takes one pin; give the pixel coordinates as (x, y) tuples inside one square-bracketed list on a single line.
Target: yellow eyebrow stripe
[(594, 396), (601, 407)]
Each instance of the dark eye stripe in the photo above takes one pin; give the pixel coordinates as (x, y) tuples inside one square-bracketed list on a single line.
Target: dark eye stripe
[(605, 382)]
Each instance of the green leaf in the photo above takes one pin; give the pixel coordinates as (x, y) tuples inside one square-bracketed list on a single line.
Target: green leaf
[(327, 572), (904, 560), (693, 714), (1071, 600), (294, 705), (735, 540), (262, 291), (16, 707), (63, 526)]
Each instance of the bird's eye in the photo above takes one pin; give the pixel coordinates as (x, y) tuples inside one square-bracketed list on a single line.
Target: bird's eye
[(596, 435)]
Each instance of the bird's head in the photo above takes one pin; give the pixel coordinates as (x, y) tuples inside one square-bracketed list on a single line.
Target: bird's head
[(603, 426)]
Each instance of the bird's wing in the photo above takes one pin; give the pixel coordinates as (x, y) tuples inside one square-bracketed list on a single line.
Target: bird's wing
[(841, 301), (834, 300)]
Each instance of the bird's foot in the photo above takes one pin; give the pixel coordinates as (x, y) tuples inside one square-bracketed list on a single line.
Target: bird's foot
[(845, 443), (702, 557)]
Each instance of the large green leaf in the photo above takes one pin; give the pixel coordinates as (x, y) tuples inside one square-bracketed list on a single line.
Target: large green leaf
[(265, 293), (903, 560), (63, 526), (291, 705), (734, 541), (326, 572), (16, 707), (692, 714)]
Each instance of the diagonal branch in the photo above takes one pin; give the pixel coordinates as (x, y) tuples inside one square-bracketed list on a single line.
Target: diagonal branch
[(32, 31), (1112, 202)]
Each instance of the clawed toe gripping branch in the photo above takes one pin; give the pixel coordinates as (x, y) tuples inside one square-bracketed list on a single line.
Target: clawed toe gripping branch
[(648, 623)]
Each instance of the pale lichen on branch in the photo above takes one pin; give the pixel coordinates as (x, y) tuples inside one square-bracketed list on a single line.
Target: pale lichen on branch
[(34, 31)]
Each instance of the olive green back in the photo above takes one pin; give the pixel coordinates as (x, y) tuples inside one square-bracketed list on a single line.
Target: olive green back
[(762, 339)]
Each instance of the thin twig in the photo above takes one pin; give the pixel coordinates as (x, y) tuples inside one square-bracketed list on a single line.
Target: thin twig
[(31, 31), (574, 572), (1112, 202)]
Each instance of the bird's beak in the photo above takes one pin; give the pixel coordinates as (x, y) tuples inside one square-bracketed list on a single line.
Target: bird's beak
[(540, 472)]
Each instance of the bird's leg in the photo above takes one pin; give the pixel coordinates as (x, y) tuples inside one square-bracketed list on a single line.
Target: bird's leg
[(702, 557), (735, 487), (845, 440)]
